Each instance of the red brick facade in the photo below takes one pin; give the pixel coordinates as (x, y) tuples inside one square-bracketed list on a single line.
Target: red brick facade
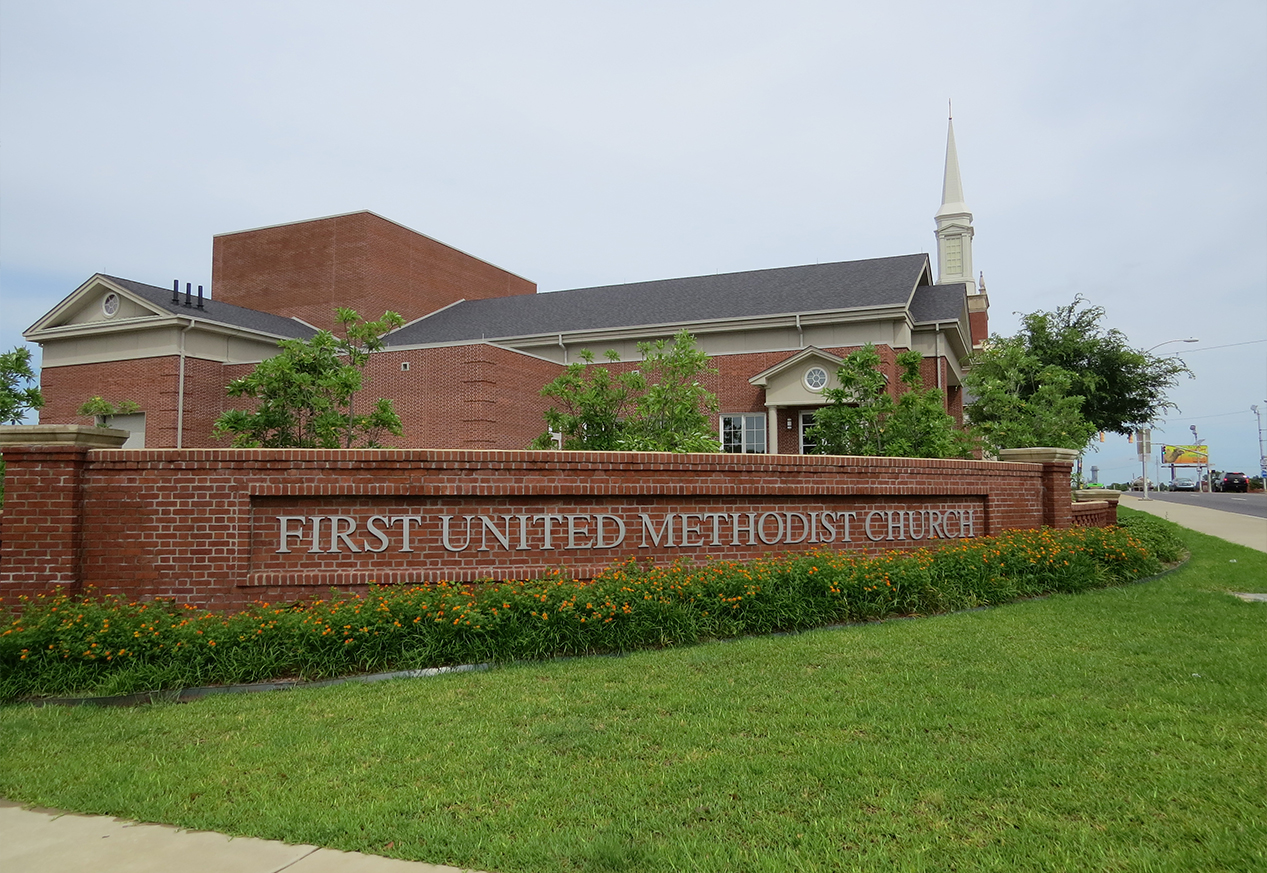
[(307, 269), (477, 396), (226, 527)]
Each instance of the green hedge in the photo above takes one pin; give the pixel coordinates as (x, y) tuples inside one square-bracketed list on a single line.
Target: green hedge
[(54, 645)]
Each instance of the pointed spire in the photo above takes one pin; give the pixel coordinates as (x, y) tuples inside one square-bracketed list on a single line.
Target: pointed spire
[(954, 222), (951, 186)]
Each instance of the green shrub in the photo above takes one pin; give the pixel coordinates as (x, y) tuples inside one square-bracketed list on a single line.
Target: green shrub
[(107, 645), (1159, 536)]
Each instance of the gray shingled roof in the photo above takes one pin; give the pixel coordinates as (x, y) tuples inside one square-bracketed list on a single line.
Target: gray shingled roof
[(216, 312), (937, 303), (812, 288)]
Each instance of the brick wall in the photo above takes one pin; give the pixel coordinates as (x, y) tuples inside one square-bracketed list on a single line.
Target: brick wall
[(151, 383), (307, 269), (462, 397), (1094, 513), (226, 527)]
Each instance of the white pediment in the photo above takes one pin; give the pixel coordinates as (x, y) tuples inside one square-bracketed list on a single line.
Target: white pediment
[(99, 302), (801, 379)]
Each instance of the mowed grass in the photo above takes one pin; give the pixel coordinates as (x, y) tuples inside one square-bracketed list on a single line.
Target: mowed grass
[(1122, 729)]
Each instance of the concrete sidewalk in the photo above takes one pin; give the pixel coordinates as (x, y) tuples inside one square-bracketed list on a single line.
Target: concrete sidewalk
[(1244, 530), (48, 841)]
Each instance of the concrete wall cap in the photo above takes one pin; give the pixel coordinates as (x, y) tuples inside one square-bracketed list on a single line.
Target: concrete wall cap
[(62, 435), (1109, 495), (1038, 455)]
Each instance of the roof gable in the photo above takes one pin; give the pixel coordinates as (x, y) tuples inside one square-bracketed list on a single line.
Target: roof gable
[(139, 304), (801, 379), (804, 358)]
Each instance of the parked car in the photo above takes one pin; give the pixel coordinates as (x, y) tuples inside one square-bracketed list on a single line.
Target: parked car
[(1183, 483), (1234, 482)]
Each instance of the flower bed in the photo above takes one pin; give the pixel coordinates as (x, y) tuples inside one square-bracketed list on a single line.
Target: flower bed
[(54, 644)]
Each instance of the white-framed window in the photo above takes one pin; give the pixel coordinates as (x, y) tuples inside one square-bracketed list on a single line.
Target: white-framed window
[(743, 433), (807, 421), (816, 379)]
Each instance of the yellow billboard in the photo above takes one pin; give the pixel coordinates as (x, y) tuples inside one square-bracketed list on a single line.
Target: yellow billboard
[(1185, 456)]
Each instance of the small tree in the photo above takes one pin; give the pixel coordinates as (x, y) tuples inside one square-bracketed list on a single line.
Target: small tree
[(672, 413), (103, 410), (862, 417), (1121, 388), (662, 407), (1018, 401), (305, 396), (18, 391), (593, 404)]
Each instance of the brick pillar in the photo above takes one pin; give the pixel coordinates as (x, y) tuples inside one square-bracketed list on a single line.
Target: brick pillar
[(1057, 490), (1057, 494), (41, 530)]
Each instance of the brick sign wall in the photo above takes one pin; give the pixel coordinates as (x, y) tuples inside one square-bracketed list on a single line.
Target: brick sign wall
[(226, 527)]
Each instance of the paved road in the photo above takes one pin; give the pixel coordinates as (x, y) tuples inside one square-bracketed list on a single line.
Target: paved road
[(1242, 504)]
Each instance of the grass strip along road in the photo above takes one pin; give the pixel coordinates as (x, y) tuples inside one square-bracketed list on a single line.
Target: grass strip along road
[(1118, 729)]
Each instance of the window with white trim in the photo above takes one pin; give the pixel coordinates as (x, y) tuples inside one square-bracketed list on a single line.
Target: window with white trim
[(808, 447), (743, 434)]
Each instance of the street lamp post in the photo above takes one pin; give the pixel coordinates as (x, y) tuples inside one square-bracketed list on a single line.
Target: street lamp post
[(1209, 471), (1191, 339), (1262, 446)]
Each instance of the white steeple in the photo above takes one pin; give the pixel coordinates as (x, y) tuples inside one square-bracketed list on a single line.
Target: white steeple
[(954, 222)]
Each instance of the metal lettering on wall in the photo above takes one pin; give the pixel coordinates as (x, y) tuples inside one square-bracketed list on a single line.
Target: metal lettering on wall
[(526, 532)]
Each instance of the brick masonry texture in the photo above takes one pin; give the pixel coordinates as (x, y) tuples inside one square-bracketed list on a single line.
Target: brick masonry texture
[(307, 269), (1096, 513), (477, 396), (202, 526)]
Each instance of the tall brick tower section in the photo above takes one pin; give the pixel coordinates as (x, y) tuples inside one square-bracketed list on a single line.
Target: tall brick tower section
[(307, 269)]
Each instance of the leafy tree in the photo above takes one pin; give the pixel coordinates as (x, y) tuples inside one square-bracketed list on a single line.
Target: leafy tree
[(661, 407), (1121, 388), (306, 396), (593, 405), (18, 391), (1018, 401), (862, 418), (103, 410), (671, 415)]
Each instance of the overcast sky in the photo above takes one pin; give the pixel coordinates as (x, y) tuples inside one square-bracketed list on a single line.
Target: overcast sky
[(1110, 149)]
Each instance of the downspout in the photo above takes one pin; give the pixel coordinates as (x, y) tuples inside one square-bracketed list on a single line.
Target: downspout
[(800, 334), (940, 387), (180, 389), (565, 350)]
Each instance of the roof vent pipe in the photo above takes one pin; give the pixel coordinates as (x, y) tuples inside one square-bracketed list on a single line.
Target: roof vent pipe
[(199, 297), (189, 293), (175, 291)]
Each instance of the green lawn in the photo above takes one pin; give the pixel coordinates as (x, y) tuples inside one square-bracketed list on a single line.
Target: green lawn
[(1122, 729)]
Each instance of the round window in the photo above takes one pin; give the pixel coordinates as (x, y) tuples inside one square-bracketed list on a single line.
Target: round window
[(110, 305), (815, 378)]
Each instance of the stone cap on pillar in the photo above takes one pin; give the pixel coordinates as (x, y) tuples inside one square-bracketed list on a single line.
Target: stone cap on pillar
[(1086, 495), (1039, 455), (85, 436)]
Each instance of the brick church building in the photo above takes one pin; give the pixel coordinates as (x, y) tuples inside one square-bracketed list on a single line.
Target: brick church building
[(479, 342)]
